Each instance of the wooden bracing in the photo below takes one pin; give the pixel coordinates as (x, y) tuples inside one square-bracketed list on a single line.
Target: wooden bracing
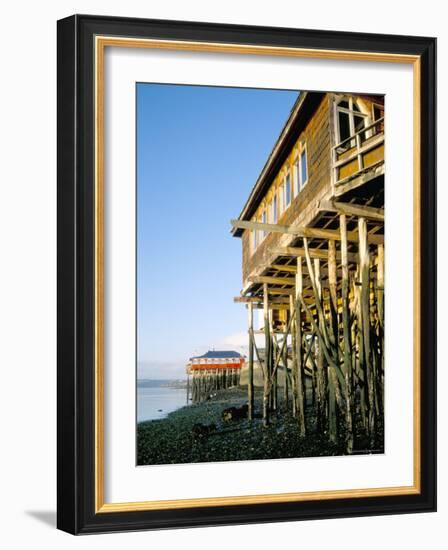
[(327, 288), (205, 382)]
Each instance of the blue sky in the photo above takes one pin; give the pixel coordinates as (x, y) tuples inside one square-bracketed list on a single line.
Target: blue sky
[(199, 152)]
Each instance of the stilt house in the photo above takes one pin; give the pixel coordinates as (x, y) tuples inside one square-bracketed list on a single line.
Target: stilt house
[(212, 371), (312, 232)]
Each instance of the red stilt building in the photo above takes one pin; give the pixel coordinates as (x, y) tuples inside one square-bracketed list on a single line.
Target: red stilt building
[(215, 370)]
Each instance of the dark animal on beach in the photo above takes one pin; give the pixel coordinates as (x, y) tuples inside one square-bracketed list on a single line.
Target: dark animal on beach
[(234, 413), (202, 430)]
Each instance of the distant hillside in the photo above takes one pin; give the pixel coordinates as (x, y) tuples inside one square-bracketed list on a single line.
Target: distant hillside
[(148, 383)]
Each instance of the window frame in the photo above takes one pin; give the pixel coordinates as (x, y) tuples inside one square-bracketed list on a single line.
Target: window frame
[(287, 179), (378, 106), (263, 219), (303, 151), (254, 239), (273, 208), (282, 199), (351, 118), (296, 173)]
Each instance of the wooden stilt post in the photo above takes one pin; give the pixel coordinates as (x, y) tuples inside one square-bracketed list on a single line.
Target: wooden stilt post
[(332, 274), (294, 375), (346, 337), (380, 310), (299, 350), (198, 387), (360, 366), (267, 354), (321, 379), (188, 388), (203, 384), (286, 380), (274, 350), (380, 283), (364, 266)]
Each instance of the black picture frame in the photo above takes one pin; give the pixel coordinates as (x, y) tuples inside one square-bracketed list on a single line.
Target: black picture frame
[(76, 225)]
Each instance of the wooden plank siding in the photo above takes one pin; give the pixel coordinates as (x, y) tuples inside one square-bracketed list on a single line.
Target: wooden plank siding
[(320, 137), (316, 135)]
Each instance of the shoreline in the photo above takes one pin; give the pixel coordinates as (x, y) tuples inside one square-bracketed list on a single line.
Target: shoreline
[(157, 402), (198, 433)]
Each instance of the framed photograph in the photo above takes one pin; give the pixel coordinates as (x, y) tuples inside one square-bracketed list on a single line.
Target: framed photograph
[(246, 274)]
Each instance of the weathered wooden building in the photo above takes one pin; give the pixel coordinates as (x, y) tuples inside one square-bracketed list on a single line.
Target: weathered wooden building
[(212, 371), (312, 232)]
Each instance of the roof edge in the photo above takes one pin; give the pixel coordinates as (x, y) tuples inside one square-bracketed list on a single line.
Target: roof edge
[(305, 105)]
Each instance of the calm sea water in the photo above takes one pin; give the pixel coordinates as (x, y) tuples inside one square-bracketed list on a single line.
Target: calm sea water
[(153, 403)]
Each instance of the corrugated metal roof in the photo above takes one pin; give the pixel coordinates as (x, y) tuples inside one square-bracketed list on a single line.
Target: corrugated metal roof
[(218, 355)]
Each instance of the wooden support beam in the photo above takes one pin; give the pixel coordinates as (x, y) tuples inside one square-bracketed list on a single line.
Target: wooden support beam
[(334, 338), (280, 291), (380, 284), (313, 252), (317, 289), (261, 331), (292, 305), (250, 381), (305, 232), (285, 268), (346, 338), (282, 348), (272, 280), (293, 269), (350, 209), (278, 307), (380, 328), (258, 300), (271, 291), (364, 269), (267, 353), (322, 376), (273, 394), (300, 366)]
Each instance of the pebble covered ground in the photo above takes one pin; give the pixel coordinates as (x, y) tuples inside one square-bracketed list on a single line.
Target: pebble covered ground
[(198, 433)]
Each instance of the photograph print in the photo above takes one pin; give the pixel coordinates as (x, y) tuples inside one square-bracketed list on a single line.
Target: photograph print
[(260, 274)]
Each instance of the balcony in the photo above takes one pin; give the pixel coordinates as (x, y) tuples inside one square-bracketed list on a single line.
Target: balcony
[(359, 157)]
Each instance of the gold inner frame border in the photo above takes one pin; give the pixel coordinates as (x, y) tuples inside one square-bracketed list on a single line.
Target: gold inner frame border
[(100, 44)]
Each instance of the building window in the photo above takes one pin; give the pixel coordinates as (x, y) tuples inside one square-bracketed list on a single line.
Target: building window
[(303, 168), (350, 120), (274, 209), (378, 111), (296, 175), (378, 114), (281, 194), (287, 191)]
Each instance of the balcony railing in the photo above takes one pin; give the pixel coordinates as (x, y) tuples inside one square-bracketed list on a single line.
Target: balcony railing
[(359, 152)]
